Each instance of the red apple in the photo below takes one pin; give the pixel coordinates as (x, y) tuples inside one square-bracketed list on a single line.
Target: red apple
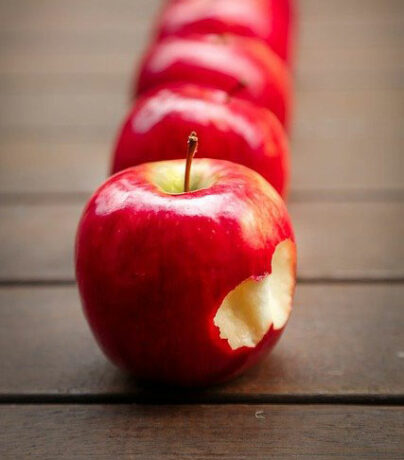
[(269, 20), (186, 288), (229, 128), (243, 67)]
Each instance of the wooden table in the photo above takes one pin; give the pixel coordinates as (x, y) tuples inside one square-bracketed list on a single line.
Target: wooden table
[(335, 384)]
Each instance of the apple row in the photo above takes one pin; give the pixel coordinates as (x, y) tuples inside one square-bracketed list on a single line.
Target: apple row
[(217, 67), (186, 267)]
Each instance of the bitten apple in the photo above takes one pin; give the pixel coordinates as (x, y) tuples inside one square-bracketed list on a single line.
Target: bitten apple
[(186, 288), (269, 20), (243, 67), (229, 128)]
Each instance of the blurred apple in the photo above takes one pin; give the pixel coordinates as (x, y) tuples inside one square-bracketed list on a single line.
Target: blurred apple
[(243, 67), (229, 128), (269, 20)]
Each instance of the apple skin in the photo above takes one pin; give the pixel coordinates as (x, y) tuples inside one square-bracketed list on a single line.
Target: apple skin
[(153, 268), (268, 20), (229, 128), (243, 67)]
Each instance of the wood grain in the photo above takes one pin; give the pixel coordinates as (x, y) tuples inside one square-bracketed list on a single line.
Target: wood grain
[(341, 68), (342, 341), (353, 67), (61, 142), (53, 167), (352, 111), (337, 20), (349, 240), (201, 432), (336, 241), (343, 165), (103, 15)]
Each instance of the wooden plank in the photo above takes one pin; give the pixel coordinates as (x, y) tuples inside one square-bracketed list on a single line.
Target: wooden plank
[(331, 33), (104, 16), (328, 114), (370, 60), (335, 240), (353, 137), (42, 65), (21, 15), (347, 163), (349, 240), (345, 10), (377, 67), (80, 16), (342, 341), (348, 113), (341, 165), (201, 432), (319, 67), (49, 167), (312, 33), (62, 110), (37, 242), (354, 31)]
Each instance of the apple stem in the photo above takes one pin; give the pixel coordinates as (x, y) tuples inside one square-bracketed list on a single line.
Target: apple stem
[(192, 146)]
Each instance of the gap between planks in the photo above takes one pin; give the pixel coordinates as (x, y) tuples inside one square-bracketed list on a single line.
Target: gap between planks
[(184, 397), (37, 283)]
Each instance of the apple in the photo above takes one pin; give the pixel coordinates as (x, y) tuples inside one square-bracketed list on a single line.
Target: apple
[(229, 128), (268, 20), (243, 67), (186, 286)]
